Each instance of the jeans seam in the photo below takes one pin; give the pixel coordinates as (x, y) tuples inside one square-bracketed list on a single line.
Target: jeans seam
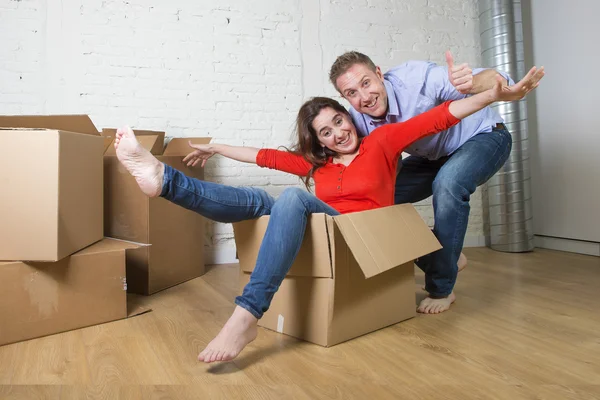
[(220, 202)]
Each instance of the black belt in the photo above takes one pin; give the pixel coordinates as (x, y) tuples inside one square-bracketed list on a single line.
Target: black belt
[(501, 126)]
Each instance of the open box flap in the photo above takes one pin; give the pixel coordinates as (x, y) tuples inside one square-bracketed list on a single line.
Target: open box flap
[(387, 237), (70, 123)]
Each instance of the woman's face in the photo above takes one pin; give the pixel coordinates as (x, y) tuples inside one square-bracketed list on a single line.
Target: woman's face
[(336, 131)]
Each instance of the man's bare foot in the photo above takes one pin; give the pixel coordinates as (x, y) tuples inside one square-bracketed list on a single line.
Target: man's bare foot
[(238, 331), (435, 306), (146, 169), (462, 263)]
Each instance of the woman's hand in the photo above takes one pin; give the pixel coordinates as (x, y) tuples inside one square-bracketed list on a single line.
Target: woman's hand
[(520, 89), (202, 153)]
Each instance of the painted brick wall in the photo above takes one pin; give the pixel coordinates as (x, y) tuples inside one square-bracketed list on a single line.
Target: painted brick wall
[(234, 70)]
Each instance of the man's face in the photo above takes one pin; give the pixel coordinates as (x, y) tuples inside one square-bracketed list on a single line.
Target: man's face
[(364, 89)]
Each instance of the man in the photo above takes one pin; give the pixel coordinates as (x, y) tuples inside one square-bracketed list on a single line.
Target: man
[(449, 165)]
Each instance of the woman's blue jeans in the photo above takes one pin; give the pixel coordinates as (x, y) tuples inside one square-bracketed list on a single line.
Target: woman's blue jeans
[(282, 240)]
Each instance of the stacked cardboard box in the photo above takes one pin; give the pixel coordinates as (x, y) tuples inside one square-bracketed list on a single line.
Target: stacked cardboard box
[(176, 235), (57, 272)]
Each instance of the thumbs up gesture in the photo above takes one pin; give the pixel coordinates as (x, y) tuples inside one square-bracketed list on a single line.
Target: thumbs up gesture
[(460, 76)]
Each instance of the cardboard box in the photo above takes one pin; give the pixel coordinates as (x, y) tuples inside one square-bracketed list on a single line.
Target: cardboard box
[(354, 273), (51, 203), (176, 234), (86, 288)]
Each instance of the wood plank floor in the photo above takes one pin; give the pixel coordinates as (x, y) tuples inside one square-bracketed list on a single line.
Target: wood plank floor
[(525, 326)]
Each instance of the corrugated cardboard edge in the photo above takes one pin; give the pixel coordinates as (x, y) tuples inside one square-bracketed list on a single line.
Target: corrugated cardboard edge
[(330, 225), (77, 123)]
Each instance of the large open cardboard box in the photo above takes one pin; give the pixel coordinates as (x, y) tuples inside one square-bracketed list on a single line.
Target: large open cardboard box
[(354, 273), (86, 288), (176, 234), (51, 203)]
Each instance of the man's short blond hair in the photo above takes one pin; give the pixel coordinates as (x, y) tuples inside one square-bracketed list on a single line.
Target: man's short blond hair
[(344, 62)]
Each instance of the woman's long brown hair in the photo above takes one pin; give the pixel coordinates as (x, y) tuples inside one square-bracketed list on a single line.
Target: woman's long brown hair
[(307, 144)]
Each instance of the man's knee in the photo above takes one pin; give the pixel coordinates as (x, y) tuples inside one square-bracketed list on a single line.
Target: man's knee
[(452, 189)]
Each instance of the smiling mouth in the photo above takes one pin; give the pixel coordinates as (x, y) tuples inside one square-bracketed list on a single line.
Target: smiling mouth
[(343, 142), (371, 104)]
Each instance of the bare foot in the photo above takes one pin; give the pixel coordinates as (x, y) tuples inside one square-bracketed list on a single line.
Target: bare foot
[(238, 331), (145, 168), (462, 263), (435, 306)]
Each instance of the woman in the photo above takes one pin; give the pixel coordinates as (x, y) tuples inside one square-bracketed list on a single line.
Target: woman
[(350, 174)]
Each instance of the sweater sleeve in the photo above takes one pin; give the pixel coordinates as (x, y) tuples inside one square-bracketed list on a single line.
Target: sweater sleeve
[(394, 138), (283, 161)]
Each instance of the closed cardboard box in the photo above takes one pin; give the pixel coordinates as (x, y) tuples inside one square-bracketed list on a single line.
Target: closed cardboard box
[(176, 235), (43, 298), (51, 203), (353, 275)]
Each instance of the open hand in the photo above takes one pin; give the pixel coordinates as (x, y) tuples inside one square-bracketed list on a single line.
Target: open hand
[(520, 89), (460, 76), (201, 153)]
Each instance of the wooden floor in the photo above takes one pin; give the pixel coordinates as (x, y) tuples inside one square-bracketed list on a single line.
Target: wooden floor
[(525, 326)]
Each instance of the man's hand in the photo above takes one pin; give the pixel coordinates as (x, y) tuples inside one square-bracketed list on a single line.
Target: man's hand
[(202, 153), (460, 76), (501, 92)]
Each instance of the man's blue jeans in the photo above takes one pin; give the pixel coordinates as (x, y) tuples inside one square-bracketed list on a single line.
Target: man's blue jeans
[(282, 239), (451, 180)]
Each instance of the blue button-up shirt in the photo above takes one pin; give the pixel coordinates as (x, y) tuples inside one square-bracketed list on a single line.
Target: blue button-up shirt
[(417, 86)]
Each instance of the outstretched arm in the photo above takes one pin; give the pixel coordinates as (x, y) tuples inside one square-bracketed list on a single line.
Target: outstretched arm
[(267, 158), (396, 137), (203, 152), (498, 92)]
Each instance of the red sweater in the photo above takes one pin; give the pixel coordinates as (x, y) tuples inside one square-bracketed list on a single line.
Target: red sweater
[(369, 181)]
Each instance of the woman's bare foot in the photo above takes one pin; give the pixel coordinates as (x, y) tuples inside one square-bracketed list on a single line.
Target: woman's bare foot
[(462, 263), (145, 168), (435, 306), (238, 331)]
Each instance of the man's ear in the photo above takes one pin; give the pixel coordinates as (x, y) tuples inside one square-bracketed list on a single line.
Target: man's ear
[(378, 73)]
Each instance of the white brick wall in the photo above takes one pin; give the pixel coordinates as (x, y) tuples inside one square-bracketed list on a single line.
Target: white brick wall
[(234, 70)]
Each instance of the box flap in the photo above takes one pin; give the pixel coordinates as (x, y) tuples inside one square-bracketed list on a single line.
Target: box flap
[(156, 149), (147, 142), (384, 238), (180, 146), (72, 123), (108, 141), (109, 244)]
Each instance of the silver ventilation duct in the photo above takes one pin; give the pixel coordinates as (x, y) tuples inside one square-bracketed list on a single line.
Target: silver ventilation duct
[(509, 191)]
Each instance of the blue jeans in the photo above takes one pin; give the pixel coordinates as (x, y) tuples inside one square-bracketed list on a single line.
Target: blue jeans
[(451, 180), (282, 240)]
